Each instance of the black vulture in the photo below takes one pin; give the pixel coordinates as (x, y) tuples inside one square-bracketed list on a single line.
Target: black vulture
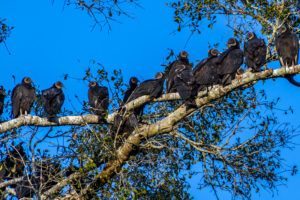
[(2, 97), (205, 73), (13, 165), (98, 98), (230, 61), (126, 123), (133, 83), (153, 87), (23, 97), (287, 46), (53, 99), (255, 51), (180, 79)]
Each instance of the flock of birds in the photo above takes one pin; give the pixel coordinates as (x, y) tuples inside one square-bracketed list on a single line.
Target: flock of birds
[(218, 68)]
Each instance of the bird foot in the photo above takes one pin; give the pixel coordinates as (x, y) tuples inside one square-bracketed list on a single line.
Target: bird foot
[(240, 71), (249, 70), (239, 78)]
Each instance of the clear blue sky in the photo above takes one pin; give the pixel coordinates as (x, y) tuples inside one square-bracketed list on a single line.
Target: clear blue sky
[(49, 41)]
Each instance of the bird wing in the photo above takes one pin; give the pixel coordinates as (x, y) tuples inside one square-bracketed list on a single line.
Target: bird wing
[(127, 94), (295, 44), (103, 97), (144, 88), (50, 95), (45, 95), (170, 77), (224, 55), (200, 65), (59, 99), (184, 72), (93, 98), (247, 50), (158, 88), (232, 62), (261, 53), (16, 97)]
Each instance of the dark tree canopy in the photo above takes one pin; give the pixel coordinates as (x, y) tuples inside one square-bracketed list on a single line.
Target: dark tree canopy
[(231, 139)]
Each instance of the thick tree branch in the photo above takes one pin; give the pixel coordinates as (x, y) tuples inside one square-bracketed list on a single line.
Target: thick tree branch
[(83, 120), (80, 120), (166, 125)]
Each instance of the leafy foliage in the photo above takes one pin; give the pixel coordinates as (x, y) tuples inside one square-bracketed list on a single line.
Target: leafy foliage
[(5, 30)]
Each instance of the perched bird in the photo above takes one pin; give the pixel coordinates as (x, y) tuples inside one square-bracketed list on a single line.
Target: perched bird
[(126, 123), (98, 98), (133, 83), (205, 73), (53, 99), (23, 96), (255, 51), (287, 46), (180, 78), (230, 61), (2, 97), (153, 87)]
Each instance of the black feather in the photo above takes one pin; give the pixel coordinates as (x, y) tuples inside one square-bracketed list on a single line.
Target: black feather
[(53, 99), (98, 99), (205, 73), (229, 63), (23, 96), (255, 50), (2, 97), (287, 46), (180, 78), (152, 87)]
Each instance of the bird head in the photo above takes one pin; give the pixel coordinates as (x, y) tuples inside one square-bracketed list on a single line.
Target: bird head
[(59, 85), (213, 52), (93, 84), (232, 42), (159, 75), (250, 36), (183, 55), (133, 81), (27, 80)]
